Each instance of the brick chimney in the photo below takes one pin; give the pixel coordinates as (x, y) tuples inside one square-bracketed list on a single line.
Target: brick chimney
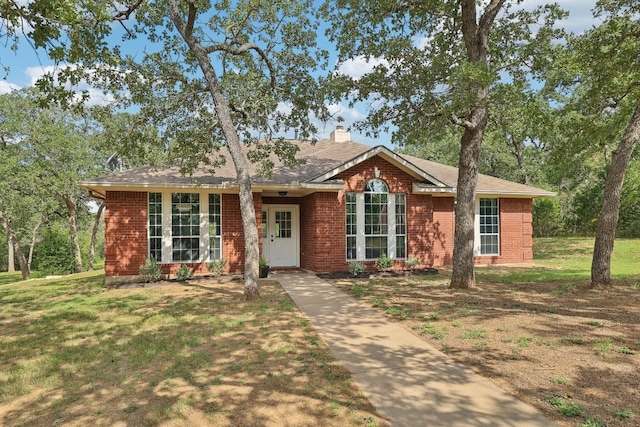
[(340, 135)]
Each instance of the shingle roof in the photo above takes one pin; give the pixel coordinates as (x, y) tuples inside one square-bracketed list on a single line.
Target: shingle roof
[(324, 159)]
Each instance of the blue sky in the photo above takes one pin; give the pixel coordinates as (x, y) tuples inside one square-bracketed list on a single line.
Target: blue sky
[(26, 66)]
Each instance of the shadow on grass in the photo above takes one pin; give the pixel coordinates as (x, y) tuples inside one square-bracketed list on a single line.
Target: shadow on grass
[(74, 353)]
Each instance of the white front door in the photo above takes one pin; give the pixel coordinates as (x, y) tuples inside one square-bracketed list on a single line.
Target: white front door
[(280, 231)]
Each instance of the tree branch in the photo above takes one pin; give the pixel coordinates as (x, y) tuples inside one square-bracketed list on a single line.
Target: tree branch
[(461, 121), (188, 30), (126, 14), (243, 48)]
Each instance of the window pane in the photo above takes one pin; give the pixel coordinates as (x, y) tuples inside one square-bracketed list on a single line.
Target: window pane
[(401, 226), (375, 247), (401, 251), (489, 227), (155, 226), (283, 224), (351, 247), (264, 224), (352, 226), (376, 186), (185, 226)]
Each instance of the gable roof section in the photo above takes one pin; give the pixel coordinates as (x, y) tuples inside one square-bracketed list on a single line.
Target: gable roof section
[(388, 155), (324, 161)]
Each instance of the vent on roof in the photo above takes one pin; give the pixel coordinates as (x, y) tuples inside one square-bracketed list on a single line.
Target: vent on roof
[(340, 135)]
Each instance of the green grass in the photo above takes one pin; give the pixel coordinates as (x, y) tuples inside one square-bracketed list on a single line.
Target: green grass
[(567, 259), (623, 414), (72, 351), (6, 278), (569, 409)]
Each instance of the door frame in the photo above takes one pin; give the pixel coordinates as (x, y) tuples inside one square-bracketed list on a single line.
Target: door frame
[(295, 227)]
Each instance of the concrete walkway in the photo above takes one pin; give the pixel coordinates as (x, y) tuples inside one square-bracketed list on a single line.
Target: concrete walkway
[(408, 381)]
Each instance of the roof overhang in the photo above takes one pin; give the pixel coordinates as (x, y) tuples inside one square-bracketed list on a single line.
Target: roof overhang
[(100, 188), (517, 194), (426, 188)]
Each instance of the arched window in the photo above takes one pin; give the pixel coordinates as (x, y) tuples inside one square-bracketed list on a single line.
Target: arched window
[(376, 223), (376, 186), (376, 219)]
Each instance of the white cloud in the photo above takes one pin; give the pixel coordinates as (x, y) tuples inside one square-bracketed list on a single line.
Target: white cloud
[(359, 66), (96, 96), (349, 115), (580, 13), (6, 87)]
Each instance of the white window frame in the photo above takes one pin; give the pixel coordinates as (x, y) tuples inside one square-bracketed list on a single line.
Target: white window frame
[(150, 235), (391, 228), (214, 237), (478, 228), (204, 241)]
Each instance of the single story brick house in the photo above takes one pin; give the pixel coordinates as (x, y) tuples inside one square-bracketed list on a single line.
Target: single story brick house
[(348, 202)]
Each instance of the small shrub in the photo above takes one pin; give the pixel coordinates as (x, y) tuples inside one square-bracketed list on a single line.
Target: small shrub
[(184, 273), (627, 413), (603, 347), (384, 262), (573, 340), (572, 409), (54, 254), (150, 271), (593, 422), (595, 323), (378, 302), (263, 262), (216, 267), (561, 380), (436, 332), (412, 262), (357, 290), (475, 334), (398, 312), (356, 268), (624, 350)]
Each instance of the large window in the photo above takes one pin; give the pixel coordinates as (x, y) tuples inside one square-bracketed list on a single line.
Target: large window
[(352, 227), (401, 226), (376, 223), (215, 227), (155, 226), (489, 217), (185, 227)]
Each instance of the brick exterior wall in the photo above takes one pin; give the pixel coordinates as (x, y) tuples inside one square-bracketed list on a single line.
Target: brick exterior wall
[(126, 242), (323, 242), (430, 226), (516, 233), (442, 231)]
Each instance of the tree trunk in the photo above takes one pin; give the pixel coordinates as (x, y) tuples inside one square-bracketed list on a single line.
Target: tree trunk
[(517, 153), (476, 35), (94, 233), (11, 262), (223, 113), (34, 237), (69, 200), (13, 239), (462, 275), (605, 233)]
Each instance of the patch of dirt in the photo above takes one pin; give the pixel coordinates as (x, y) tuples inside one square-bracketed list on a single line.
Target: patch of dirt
[(380, 274), (542, 342)]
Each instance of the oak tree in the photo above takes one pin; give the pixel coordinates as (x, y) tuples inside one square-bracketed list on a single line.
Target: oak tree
[(228, 74), (436, 66)]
